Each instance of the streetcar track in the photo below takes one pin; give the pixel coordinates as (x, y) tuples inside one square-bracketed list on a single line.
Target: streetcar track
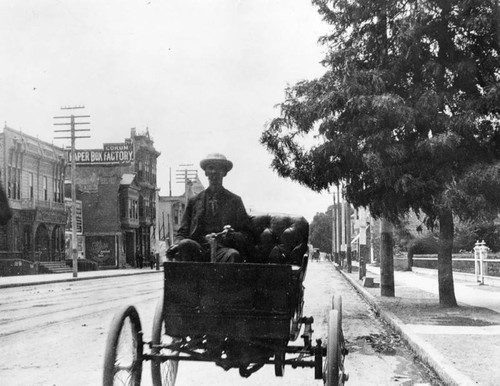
[(72, 314)]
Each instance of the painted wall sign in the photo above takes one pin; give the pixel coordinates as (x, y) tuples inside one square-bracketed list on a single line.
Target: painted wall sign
[(111, 154), (101, 249)]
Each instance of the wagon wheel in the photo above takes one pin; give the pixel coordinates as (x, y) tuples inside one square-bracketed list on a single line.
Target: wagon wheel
[(333, 376), (279, 363), (163, 373), (337, 305), (123, 355)]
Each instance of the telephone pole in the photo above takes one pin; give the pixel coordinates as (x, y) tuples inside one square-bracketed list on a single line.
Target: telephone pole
[(185, 175), (72, 123)]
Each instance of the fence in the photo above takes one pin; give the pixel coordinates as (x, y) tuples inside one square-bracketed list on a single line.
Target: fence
[(478, 263)]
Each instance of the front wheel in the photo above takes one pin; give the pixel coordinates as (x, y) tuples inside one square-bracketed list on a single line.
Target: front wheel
[(333, 352), (123, 355), (163, 372)]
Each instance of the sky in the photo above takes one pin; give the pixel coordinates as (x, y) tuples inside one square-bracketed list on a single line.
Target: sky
[(201, 76)]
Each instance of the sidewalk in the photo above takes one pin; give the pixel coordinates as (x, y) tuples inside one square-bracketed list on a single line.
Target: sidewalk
[(461, 344), (16, 281)]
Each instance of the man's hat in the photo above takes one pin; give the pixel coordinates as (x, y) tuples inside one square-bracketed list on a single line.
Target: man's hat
[(216, 158)]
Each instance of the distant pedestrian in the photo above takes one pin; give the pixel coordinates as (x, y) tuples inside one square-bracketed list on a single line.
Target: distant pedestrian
[(152, 260), (138, 259)]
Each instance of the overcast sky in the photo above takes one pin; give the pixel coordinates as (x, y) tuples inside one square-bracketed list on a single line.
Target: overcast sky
[(203, 76)]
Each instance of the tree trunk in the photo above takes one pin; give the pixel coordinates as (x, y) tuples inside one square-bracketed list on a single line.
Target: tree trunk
[(348, 250), (445, 269), (386, 259)]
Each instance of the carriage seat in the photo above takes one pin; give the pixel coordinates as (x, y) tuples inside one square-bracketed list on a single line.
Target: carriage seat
[(280, 239)]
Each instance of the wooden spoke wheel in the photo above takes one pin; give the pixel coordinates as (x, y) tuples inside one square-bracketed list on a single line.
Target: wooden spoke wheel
[(337, 305), (124, 348), (163, 372), (332, 371)]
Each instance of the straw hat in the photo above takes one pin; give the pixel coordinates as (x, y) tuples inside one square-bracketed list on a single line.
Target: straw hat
[(216, 158)]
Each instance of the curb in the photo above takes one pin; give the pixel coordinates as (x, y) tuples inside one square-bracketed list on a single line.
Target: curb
[(425, 352), (24, 284)]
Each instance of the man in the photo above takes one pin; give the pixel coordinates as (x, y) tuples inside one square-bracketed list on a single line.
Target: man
[(138, 259), (209, 212)]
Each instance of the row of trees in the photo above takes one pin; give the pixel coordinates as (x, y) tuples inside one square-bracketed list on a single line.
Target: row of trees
[(418, 239), (406, 115)]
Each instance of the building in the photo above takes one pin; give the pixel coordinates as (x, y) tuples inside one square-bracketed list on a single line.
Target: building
[(170, 212), (117, 188), (32, 173)]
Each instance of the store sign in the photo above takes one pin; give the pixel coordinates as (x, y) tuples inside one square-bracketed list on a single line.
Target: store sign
[(111, 154)]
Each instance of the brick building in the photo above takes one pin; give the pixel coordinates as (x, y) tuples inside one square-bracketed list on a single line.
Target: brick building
[(32, 173), (117, 188)]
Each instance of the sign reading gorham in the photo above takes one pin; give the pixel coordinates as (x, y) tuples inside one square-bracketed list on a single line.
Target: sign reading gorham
[(111, 154)]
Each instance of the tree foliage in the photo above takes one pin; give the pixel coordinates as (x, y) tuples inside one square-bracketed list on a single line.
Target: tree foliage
[(408, 105), (321, 231)]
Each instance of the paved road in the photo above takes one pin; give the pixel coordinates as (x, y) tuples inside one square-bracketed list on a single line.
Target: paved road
[(54, 334)]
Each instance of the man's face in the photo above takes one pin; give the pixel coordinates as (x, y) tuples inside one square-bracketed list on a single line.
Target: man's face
[(215, 173)]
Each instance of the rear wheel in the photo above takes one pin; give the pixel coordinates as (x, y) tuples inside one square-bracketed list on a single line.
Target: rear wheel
[(279, 363), (337, 305), (123, 355), (163, 373), (333, 352)]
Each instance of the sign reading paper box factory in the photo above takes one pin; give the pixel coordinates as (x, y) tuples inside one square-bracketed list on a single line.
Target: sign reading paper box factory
[(111, 154)]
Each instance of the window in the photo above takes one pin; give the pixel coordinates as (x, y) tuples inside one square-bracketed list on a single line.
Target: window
[(14, 183), (31, 191), (146, 167), (45, 189), (135, 212), (18, 186), (123, 207), (57, 191), (153, 172), (141, 207)]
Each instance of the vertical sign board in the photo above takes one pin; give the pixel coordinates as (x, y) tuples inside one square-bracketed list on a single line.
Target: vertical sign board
[(80, 245), (101, 249)]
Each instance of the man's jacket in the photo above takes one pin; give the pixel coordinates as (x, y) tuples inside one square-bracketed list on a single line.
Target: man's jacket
[(232, 212)]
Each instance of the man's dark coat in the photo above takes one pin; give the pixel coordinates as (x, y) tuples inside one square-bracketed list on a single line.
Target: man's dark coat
[(230, 207)]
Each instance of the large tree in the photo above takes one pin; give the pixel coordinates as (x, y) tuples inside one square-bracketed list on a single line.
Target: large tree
[(408, 104), (321, 231)]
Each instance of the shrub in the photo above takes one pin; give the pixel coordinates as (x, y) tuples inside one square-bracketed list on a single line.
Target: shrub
[(425, 245), (467, 233)]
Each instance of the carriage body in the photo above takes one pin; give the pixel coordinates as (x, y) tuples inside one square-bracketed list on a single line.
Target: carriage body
[(244, 301)]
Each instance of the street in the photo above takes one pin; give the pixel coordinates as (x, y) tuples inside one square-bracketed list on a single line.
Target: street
[(54, 334)]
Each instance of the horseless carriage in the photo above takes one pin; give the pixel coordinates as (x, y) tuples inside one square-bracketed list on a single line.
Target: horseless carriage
[(237, 315)]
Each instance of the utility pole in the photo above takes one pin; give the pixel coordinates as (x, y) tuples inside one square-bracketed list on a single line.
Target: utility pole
[(348, 251), (334, 230), (73, 137), (339, 228), (184, 176)]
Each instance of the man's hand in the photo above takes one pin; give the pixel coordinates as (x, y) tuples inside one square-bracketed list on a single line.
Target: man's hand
[(172, 251)]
